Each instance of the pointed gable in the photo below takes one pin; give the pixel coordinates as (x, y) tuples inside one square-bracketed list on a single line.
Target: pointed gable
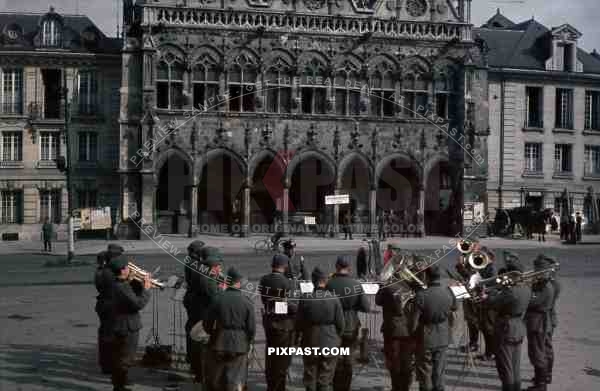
[(498, 21)]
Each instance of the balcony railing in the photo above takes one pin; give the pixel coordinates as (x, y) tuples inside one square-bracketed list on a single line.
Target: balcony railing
[(320, 24), (38, 111)]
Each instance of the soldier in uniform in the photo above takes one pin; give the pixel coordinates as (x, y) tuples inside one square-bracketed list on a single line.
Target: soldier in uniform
[(232, 327), (104, 279), (194, 252), (432, 309), (353, 301), (538, 321), (126, 323), (399, 344), (553, 323), (295, 269), (279, 327), (202, 291), (487, 314), (319, 323), (510, 304)]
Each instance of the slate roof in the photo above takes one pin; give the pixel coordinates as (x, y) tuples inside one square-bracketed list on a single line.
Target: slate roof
[(29, 26), (526, 45)]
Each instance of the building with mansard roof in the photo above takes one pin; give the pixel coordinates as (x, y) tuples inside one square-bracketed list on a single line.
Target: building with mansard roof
[(40, 56), (253, 111), (544, 102)]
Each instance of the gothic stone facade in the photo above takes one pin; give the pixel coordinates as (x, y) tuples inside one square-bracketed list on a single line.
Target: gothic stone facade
[(368, 99), (544, 99), (40, 55)]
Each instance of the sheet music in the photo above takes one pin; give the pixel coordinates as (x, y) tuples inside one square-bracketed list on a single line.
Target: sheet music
[(460, 292), (281, 307), (306, 287), (370, 289), (474, 280)]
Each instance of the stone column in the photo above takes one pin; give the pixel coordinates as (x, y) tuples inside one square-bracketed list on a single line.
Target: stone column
[(193, 211), (285, 206), (421, 213), (246, 211), (374, 230), (336, 214), (148, 199)]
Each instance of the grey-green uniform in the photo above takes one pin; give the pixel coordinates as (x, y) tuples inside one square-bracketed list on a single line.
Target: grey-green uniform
[(538, 320), (320, 324), (432, 311), (279, 328), (510, 305), (353, 301), (126, 323), (232, 328), (399, 344)]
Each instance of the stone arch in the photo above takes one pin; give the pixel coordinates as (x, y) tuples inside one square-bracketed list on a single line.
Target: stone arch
[(438, 195), (235, 55), (214, 55), (445, 66), (256, 159), (348, 160), (215, 153), (305, 155), (164, 156), (383, 163), (434, 161), (377, 63), (313, 55), (415, 64), (353, 60), (170, 48), (284, 55)]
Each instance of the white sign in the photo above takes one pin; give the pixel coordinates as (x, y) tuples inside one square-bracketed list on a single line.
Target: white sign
[(281, 307), (340, 199), (370, 289), (306, 287), (310, 220)]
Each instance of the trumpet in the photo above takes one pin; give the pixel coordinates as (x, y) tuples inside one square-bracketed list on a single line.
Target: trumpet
[(139, 274)]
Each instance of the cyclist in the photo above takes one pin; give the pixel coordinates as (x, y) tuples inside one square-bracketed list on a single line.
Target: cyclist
[(275, 239)]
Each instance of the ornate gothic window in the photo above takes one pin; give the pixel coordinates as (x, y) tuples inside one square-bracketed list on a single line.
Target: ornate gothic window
[(242, 85), (382, 94), (51, 33), (443, 88), (415, 91), (314, 90), (278, 85), (169, 84), (347, 93), (205, 82)]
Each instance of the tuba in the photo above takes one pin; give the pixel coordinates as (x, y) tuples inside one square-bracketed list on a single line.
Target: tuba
[(465, 246), (478, 260), (139, 274)]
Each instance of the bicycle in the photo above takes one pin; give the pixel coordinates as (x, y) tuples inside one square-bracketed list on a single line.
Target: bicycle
[(267, 245)]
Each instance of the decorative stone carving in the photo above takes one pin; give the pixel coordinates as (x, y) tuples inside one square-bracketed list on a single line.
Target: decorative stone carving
[(315, 4), (354, 143), (310, 136), (266, 136), (336, 143), (259, 3), (416, 8), (397, 142), (374, 144)]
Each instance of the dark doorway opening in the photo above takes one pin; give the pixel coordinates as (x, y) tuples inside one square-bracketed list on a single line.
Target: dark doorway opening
[(52, 92), (173, 196)]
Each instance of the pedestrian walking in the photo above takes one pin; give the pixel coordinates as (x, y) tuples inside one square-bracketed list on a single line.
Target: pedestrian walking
[(47, 234), (578, 224)]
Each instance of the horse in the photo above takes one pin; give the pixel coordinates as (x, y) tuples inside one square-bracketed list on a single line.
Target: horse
[(538, 221)]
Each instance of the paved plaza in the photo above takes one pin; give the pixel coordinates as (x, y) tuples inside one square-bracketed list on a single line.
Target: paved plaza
[(48, 332)]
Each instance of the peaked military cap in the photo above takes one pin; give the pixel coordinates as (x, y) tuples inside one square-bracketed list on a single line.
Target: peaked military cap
[(280, 260), (318, 274), (541, 262), (212, 255), (343, 261), (118, 263), (233, 275), (114, 249), (195, 247), (433, 272)]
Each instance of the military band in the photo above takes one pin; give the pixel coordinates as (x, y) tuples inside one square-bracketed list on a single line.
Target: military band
[(418, 310)]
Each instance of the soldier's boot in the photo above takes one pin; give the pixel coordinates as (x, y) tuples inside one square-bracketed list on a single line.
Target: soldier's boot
[(540, 380)]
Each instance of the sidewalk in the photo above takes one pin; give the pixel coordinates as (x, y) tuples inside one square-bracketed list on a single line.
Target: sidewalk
[(235, 245)]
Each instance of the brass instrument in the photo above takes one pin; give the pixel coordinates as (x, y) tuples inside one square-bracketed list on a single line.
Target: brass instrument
[(478, 260), (402, 269), (139, 274), (465, 246)]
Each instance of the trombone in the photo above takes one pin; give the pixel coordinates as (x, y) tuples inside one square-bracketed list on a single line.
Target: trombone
[(139, 274)]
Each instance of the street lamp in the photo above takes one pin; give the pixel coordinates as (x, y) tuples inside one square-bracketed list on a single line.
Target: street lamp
[(68, 171)]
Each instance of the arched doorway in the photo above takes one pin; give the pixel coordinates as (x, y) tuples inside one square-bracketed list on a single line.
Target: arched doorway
[(313, 178), (173, 196), (355, 180), (263, 208), (220, 194), (398, 193), (437, 200)]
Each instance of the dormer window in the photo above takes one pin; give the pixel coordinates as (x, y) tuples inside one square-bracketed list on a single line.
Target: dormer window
[(51, 33), (564, 49), (568, 63)]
